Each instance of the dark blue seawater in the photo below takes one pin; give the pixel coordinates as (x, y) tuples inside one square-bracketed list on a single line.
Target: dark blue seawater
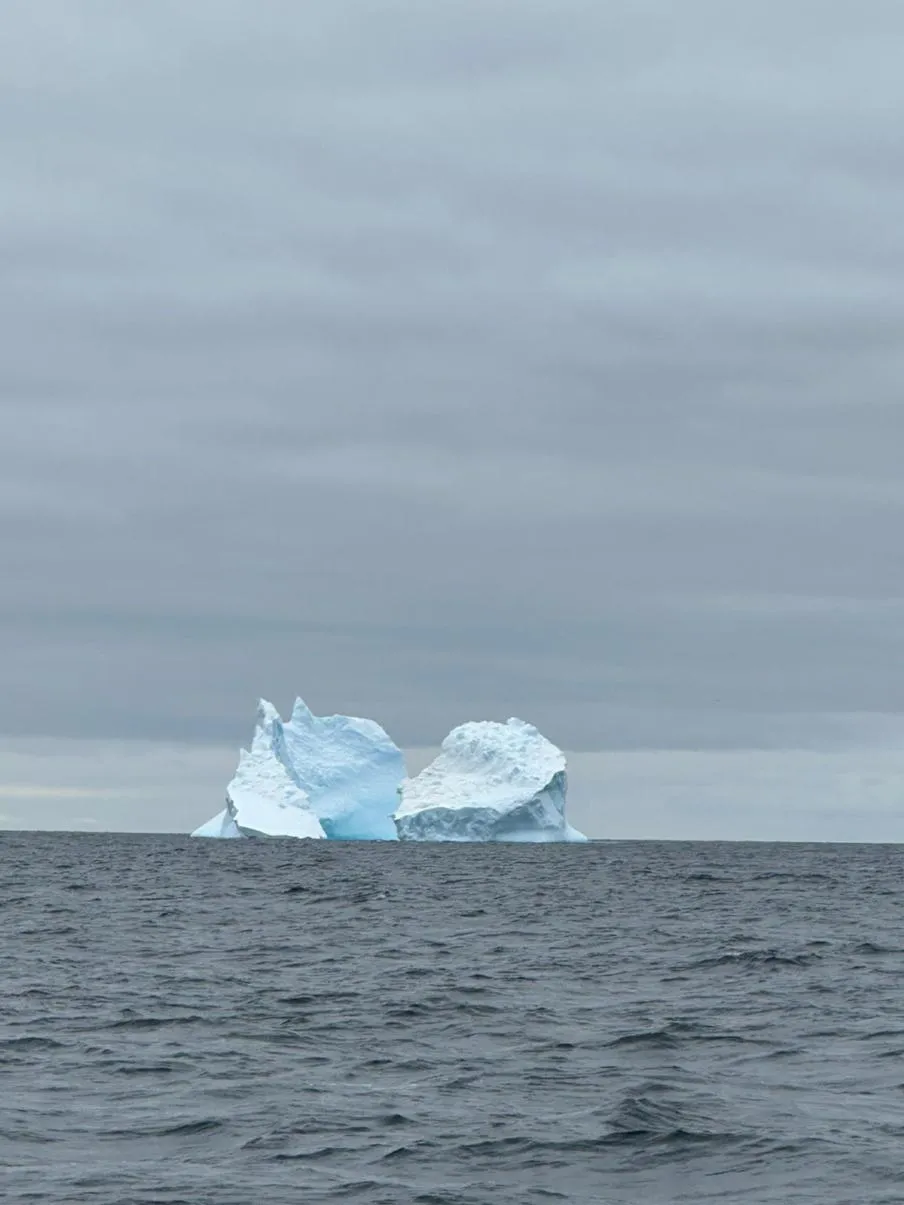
[(270, 1022)]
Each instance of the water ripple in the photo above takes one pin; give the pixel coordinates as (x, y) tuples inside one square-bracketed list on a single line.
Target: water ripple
[(224, 1023)]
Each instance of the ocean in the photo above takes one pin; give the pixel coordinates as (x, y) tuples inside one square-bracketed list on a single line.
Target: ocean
[(266, 1023)]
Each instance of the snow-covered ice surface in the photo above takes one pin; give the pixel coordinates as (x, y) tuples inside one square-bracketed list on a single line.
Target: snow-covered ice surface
[(331, 776), (490, 782)]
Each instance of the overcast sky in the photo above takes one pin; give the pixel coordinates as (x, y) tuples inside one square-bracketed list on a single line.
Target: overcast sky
[(451, 360)]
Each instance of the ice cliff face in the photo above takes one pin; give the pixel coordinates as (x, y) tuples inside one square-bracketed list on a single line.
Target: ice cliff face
[(350, 770), (222, 825), (330, 776), (490, 782)]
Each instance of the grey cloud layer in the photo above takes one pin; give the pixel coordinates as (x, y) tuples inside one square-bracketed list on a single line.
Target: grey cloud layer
[(446, 360)]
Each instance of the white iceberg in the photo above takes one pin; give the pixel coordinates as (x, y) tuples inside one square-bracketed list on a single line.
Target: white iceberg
[(490, 782), (331, 776)]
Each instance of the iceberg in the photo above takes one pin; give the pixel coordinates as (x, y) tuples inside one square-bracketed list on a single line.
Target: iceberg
[(490, 782), (321, 777)]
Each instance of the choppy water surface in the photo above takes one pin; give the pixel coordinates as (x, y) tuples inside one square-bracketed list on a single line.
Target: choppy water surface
[(249, 1022)]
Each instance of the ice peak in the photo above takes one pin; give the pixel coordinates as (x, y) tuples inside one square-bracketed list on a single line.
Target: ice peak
[(267, 718), (301, 713)]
